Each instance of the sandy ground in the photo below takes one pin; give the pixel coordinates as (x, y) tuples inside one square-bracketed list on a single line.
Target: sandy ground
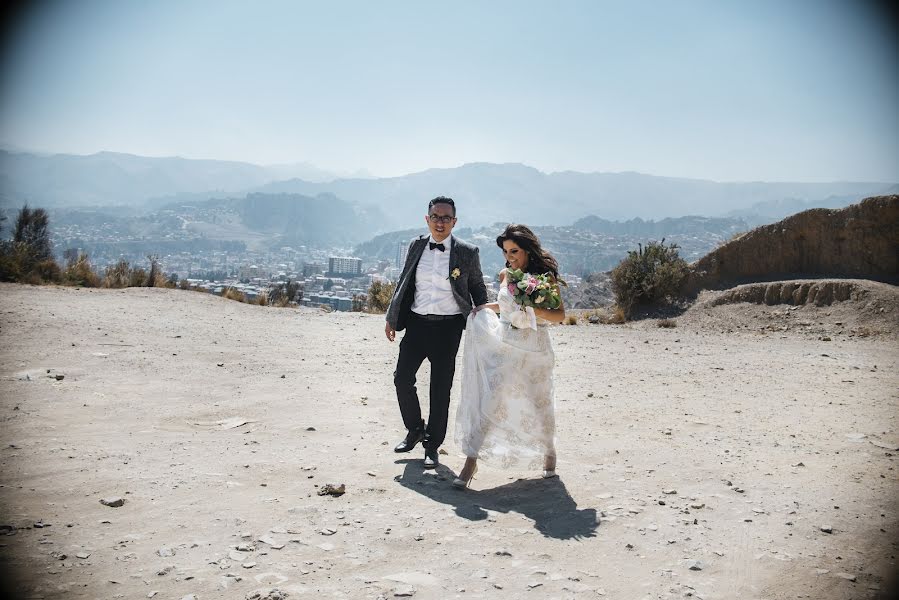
[(694, 462)]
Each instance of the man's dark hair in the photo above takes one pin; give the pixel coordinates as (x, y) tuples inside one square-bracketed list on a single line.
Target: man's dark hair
[(442, 200)]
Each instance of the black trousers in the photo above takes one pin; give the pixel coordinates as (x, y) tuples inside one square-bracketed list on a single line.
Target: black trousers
[(437, 341)]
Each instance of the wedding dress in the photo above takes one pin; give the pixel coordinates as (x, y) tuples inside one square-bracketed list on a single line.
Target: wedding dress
[(506, 414)]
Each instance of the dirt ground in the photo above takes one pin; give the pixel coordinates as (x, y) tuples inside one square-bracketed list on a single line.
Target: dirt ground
[(708, 460)]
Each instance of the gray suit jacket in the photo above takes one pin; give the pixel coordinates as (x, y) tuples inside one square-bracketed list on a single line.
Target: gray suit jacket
[(468, 288)]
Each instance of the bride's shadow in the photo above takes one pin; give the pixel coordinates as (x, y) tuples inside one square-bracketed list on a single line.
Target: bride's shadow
[(545, 501)]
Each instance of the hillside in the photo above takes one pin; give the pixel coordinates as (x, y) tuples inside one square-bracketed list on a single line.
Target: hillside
[(860, 241), (694, 462)]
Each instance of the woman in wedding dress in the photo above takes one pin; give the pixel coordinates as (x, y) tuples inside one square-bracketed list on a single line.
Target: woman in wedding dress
[(506, 414)]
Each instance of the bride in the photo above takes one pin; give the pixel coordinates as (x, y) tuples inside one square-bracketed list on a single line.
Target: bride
[(505, 414)]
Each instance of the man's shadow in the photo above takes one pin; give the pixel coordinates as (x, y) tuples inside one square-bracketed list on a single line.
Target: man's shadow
[(545, 501)]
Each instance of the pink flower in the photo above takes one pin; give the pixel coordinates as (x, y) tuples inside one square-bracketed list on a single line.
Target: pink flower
[(513, 289), (532, 285)]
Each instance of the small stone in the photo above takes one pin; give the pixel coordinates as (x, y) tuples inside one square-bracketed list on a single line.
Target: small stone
[(310, 428), (847, 576), (696, 565), (166, 552), (269, 541), (246, 547), (503, 553), (60, 377), (248, 565), (332, 489), (827, 529), (536, 584), (739, 490), (83, 555), (328, 531), (154, 592), (113, 502), (670, 492), (698, 505), (405, 591)]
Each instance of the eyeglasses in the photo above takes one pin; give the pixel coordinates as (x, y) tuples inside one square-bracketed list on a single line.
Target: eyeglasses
[(443, 220)]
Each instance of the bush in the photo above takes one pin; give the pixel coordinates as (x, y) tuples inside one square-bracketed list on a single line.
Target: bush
[(262, 299), (571, 320), (650, 274), (667, 323), (48, 271), (184, 284), (231, 293), (79, 270), (118, 275), (379, 296)]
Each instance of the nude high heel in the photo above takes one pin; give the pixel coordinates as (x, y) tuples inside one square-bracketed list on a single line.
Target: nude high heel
[(464, 483)]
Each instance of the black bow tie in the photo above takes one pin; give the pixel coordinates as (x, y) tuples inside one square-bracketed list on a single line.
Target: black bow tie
[(440, 247)]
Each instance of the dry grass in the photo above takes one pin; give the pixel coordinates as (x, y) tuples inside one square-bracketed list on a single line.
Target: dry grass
[(666, 323), (571, 320), (262, 299), (231, 293), (614, 315)]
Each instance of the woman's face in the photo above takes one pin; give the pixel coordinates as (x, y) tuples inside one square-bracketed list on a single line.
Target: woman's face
[(515, 255)]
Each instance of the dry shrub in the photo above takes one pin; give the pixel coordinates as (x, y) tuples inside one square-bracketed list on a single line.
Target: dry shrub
[(379, 296), (649, 274), (48, 271), (262, 299), (618, 315), (79, 271), (118, 275), (138, 278), (615, 316), (667, 323), (184, 284), (571, 320), (231, 293)]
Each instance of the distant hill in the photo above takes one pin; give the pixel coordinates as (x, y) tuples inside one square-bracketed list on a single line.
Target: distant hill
[(486, 193), (115, 179)]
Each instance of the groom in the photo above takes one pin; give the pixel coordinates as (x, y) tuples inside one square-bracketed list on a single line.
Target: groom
[(440, 284)]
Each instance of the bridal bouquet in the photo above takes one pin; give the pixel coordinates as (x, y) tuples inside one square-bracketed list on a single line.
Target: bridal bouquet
[(536, 291)]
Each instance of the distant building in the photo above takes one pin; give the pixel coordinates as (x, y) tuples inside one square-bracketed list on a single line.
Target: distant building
[(402, 249), (345, 266), (252, 272), (313, 268)]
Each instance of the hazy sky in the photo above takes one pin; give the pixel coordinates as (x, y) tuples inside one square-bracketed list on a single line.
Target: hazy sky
[(798, 90)]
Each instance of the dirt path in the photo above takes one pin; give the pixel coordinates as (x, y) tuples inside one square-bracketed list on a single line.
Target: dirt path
[(693, 463)]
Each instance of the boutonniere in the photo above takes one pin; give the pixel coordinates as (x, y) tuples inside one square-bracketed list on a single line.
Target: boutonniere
[(455, 273)]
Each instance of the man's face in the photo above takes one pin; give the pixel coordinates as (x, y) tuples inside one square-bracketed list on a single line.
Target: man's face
[(440, 221)]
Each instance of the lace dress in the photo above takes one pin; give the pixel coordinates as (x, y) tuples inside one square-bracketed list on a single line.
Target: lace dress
[(506, 413)]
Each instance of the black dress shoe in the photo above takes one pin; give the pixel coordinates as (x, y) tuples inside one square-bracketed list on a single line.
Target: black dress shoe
[(431, 460), (412, 438)]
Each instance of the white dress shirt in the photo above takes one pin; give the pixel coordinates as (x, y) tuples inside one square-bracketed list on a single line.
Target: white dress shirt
[(433, 293)]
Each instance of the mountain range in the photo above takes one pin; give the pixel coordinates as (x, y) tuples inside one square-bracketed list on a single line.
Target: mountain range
[(486, 193)]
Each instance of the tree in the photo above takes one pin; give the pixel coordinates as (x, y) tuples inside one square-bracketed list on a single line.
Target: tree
[(33, 232)]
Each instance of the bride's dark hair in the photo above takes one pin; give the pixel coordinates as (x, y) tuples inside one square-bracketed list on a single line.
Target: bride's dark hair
[(539, 260)]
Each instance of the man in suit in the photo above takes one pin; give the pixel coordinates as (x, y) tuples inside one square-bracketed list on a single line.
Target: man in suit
[(440, 284)]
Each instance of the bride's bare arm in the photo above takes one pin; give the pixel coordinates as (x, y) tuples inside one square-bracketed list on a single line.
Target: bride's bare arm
[(553, 315)]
